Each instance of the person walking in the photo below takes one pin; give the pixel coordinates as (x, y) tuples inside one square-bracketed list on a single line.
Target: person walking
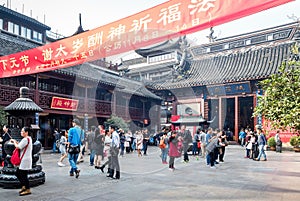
[(122, 142), (99, 146), (107, 153), (163, 144), (139, 142), (175, 149), (196, 139), (127, 144), (211, 150), (63, 147), (92, 144), (248, 143), (223, 142), (82, 146), (242, 136), (146, 137), (5, 137), (208, 137), (278, 142), (74, 140), (56, 136), (115, 145), (25, 146), (202, 143), (261, 141), (187, 139)]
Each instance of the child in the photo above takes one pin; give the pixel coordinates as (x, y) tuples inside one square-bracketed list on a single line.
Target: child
[(62, 147)]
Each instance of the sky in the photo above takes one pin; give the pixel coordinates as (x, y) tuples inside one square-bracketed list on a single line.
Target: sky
[(63, 15)]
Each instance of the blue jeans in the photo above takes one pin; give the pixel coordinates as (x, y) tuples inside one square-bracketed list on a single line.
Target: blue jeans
[(145, 147), (73, 160), (54, 146), (92, 156), (122, 148), (207, 159), (195, 148), (261, 152), (133, 146), (164, 154)]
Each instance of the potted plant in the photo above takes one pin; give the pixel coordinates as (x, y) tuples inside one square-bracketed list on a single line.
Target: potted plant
[(272, 143), (295, 142)]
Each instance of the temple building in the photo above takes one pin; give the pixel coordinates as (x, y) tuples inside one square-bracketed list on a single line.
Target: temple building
[(171, 83), (214, 83), (91, 92)]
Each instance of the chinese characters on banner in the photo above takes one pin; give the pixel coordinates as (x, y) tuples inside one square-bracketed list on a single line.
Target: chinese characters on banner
[(64, 103), (165, 21)]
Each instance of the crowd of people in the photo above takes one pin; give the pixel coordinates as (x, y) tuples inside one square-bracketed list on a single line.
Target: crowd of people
[(105, 146), (209, 144), (255, 143)]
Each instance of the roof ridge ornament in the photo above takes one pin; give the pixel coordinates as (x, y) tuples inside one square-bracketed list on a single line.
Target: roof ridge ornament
[(182, 69), (211, 36)]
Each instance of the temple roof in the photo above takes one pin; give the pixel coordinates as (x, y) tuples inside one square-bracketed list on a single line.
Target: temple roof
[(8, 13), (93, 73), (161, 48), (246, 57), (11, 45)]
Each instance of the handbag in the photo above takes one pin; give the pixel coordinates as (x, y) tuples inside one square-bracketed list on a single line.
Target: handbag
[(162, 144), (15, 157), (198, 145), (74, 149)]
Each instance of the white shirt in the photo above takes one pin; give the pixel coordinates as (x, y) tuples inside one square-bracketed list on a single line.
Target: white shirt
[(26, 162), (115, 139)]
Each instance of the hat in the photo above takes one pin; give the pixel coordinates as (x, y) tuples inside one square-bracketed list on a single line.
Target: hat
[(76, 121)]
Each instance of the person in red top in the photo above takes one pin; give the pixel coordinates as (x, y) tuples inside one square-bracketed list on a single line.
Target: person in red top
[(175, 148)]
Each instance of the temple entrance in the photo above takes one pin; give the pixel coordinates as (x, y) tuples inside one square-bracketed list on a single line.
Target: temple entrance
[(245, 114), (228, 111), (224, 109)]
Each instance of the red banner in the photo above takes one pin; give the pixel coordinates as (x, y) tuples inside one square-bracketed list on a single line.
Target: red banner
[(168, 20), (64, 103)]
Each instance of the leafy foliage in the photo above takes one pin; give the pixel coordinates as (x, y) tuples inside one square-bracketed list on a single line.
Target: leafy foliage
[(272, 142), (3, 114), (117, 121), (295, 141), (281, 101)]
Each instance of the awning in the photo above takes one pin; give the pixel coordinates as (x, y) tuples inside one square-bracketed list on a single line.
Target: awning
[(188, 119)]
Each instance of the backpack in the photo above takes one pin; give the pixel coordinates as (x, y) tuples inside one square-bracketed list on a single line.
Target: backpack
[(162, 144)]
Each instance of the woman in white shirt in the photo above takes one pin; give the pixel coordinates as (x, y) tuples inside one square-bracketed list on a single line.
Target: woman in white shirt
[(25, 146)]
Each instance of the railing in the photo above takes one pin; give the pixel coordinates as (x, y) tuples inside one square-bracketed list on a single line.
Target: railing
[(94, 107)]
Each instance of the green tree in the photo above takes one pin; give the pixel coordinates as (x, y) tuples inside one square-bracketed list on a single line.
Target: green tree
[(3, 116), (117, 121), (280, 103)]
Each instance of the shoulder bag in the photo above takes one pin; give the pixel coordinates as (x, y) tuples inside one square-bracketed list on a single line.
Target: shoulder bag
[(15, 158), (74, 149)]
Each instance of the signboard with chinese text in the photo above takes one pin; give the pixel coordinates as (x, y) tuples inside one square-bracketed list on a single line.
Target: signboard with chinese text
[(64, 103), (168, 20), (229, 89)]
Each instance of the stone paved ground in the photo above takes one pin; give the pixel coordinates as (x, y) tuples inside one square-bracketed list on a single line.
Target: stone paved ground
[(146, 178)]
